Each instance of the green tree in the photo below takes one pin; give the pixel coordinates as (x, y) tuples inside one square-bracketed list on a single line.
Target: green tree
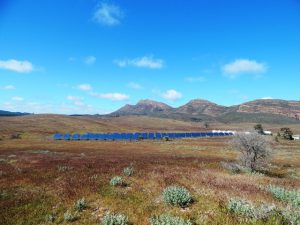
[(259, 128)]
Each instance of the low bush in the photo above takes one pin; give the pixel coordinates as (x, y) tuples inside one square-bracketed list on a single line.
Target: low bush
[(169, 220), (50, 218), (128, 171), (64, 168), (291, 216), (69, 217), (81, 204), (289, 196), (117, 181), (115, 219), (248, 209), (177, 196)]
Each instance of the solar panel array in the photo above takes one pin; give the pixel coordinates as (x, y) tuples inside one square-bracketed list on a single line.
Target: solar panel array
[(137, 136)]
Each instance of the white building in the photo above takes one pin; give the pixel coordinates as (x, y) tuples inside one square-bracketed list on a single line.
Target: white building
[(267, 132), (296, 137)]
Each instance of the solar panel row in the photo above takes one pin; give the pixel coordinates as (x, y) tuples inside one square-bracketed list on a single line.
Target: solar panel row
[(137, 136)]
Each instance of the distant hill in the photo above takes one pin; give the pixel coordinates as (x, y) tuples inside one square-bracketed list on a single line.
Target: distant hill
[(262, 111), (7, 113)]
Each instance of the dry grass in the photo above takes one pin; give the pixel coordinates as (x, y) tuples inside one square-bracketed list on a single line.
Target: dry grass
[(39, 176)]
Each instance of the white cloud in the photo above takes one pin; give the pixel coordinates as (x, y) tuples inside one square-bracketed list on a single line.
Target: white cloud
[(8, 87), (17, 98), (108, 14), (265, 98), (16, 66), (134, 85), (241, 66), (63, 108), (195, 79), (111, 96), (143, 62), (76, 100), (89, 60), (84, 87), (171, 95)]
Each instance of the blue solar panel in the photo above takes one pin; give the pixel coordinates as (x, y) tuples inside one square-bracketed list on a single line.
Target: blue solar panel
[(67, 137), (188, 134), (193, 135), (136, 136), (57, 137), (76, 137), (144, 135), (158, 136), (128, 136), (151, 135), (91, 136), (98, 136), (123, 136), (176, 135)]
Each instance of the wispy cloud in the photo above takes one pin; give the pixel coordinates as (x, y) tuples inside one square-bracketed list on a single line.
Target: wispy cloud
[(171, 95), (89, 60), (108, 14), (111, 96), (84, 87), (17, 98), (195, 79), (76, 100), (8, 87), (16, 66), (142, 62), (242, 66), (134, 85)]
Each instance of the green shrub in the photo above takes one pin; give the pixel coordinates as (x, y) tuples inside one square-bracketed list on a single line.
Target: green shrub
[(115, 219), (128, 171), (50, 218), (64, 168), (177, 196), (248, 209), (284, 195), (117, 181), (69, 217), (169, 220), (291, 216), (81, 204)]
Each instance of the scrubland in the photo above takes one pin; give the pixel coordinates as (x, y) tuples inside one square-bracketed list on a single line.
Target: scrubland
[(42, 179)]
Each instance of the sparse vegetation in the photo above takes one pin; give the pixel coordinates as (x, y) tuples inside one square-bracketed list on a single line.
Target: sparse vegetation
[(128, 171), (117, 181), (64, 168), (169, 220), (291, 216), (245, 208), (177, 196), (15, 136), (50, 218), (286, 133), (115, 219), (254, 149), (69, 216), (288, 196), (259, 128), (81, 204), (32, 185)]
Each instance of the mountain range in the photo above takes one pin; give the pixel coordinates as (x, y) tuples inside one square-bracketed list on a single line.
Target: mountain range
[(7, 113), (263, 111)]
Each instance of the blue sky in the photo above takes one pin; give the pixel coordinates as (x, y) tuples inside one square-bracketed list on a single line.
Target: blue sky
[(93, 56)]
